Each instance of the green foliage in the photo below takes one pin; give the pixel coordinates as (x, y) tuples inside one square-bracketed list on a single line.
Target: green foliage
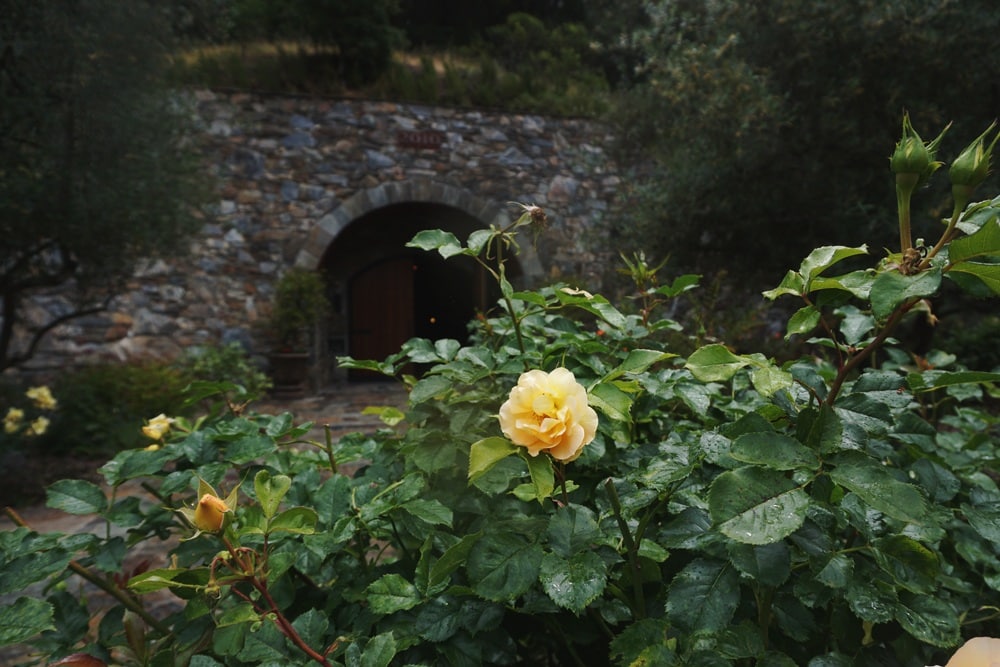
[(96, 169), (225, 363), (299, 303), (103, 407), (759, 130), (836, 509)]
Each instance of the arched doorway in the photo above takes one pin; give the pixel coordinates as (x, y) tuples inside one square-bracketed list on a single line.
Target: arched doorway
[(384, 293)]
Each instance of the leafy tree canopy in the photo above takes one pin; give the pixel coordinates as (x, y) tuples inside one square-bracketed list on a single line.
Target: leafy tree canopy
[(96, 171), (761, 127)]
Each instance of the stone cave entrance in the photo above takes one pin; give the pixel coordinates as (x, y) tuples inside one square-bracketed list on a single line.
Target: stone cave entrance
[(384, 293)]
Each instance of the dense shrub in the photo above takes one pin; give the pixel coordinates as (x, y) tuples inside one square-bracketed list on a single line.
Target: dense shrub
[(102, 407), (566, 490)]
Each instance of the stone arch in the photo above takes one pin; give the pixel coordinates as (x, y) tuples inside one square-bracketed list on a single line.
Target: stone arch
[(384, 293), (332, 224)]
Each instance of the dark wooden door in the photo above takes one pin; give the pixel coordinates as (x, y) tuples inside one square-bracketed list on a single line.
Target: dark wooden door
[(381, 309)]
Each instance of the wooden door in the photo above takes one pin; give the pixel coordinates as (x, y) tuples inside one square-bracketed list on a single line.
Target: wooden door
[(381, 309)]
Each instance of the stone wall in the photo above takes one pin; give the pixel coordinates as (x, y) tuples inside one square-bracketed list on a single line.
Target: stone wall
[(289, 167)]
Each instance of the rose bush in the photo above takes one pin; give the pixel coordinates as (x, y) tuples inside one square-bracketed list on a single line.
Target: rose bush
[(725, 509)]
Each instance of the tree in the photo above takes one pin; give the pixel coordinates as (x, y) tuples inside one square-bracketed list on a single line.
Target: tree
[(97, 170), (758, 130)]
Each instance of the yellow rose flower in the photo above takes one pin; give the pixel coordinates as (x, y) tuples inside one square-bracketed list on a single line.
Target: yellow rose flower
[(977, 652), (549, 412), (42, 397), (12, 421), (157, 427), (39, 426), (210, 513)]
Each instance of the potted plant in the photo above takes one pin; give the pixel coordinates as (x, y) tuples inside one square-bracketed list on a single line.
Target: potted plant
[(300, 302)]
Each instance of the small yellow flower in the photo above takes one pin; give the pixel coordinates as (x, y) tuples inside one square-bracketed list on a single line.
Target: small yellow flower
[(39, 426), (42, 397), (157, 427), (152, 448), (549, 412), (210, 513), (13, 420)]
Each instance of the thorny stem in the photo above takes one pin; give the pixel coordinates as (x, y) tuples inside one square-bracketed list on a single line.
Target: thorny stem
[(863, 355), (105, 585), (945, 237), (250, 575), (632, 549)]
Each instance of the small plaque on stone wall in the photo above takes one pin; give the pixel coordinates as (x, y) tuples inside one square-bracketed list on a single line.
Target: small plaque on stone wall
[(420, 139)]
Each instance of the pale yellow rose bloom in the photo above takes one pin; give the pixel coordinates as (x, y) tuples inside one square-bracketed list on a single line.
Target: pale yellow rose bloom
[(12, 421), (157, 427), (977, 652), (42, 397), (548, 412), (210, 513), (39, 426)]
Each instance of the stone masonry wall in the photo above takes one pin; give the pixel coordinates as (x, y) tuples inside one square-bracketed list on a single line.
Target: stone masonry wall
[(284, 163)]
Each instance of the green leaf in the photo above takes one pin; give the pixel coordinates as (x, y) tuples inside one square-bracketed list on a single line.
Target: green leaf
[(612, 401), (756, 506), (379, 651), (270, 491), (856, 283), (873, 483), (24, 619), (76, 496), (637, 361), (792, 284), (431, 386), (572, 529), (714, 363), (803, 321), (503, 566), (486, 453), (930, 620), (703, 596), (249, 448), (174, 579), (575, 582), (769, 379), (820, 259), (933, 380), (891, 288), (773, 450), (299, 520), (446, 243), (478, 239), (312, 626), (912, 565), (243, 612), (984, 242), (18, 574), (542, 475), (454, 557), (987, 274), (770, 564), (392, 593), (429, 511)]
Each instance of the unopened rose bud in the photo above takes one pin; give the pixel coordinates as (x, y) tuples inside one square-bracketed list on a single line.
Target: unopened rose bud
[(913, 159), (210, 513), (972, 165)]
